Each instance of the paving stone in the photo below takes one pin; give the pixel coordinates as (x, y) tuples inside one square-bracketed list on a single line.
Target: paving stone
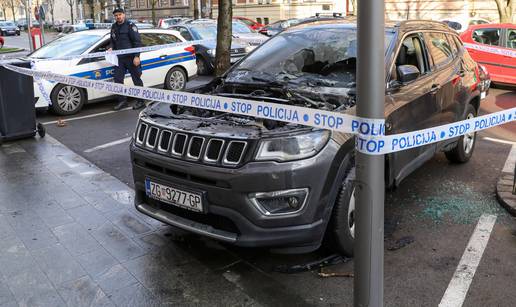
[(115, 278), (5, 294), (76, 239), (134, 295), (128, 223), (116, 243), (97, 262), (58, 264), (28, 284), (88, 217), (53, 214), (68, 199), (102, 201), (14, 257), (6, 229), (38, 238), (48, 298), (10, 304), (83, 292)]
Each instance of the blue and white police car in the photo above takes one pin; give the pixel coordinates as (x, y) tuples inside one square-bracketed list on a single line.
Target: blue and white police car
[(171, 67)]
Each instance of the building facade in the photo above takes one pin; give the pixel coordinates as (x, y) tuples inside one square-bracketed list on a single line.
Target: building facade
[(141, 9)]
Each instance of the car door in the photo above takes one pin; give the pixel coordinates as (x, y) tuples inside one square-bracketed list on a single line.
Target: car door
[(410, 106), (486, 39), (446, 77), (508, 67)]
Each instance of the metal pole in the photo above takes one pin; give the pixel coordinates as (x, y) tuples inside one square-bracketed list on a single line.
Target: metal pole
[(28, 5), (370, 187)]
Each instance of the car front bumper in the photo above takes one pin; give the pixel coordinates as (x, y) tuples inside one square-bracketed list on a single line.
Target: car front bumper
[(229, 214)]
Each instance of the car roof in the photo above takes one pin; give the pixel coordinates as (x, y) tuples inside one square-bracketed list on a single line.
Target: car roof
[(492, 25), (402, 26), (106, 31)]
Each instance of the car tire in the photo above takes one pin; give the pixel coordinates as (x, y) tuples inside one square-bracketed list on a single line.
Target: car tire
[(341, 228), (67, 99), (463, 151), (203, 68), (176, 79)]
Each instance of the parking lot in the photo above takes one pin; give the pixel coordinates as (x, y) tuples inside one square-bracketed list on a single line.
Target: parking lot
[(429, 220)]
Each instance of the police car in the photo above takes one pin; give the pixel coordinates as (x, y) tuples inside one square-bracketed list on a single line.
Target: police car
[(170, 67)]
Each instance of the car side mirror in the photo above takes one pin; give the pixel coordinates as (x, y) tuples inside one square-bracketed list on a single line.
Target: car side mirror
[(393, 86), (408, 73)]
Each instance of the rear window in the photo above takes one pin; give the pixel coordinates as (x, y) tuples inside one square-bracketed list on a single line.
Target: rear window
[(511, 38), (439, 48), (487, 36)]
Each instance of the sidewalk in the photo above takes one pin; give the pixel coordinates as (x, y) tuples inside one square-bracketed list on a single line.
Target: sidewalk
[(505, 184), (70, 236)]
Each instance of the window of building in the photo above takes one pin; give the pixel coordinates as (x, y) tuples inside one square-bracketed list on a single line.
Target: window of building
[(259, 19), (265, 20), (440, 49), (487, 36)]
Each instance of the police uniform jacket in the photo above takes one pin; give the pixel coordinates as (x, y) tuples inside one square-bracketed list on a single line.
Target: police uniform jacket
[(125, 36)]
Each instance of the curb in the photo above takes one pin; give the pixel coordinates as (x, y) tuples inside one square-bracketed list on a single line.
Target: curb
[(504, 187)]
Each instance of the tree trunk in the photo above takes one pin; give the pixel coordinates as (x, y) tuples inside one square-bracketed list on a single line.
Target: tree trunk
[(505, 10), (224, 31), (13, 10), (195, 10), (71, 14), (153, 12), (92, 9)]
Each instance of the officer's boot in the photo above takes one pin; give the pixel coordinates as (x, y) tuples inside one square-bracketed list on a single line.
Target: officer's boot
[(138, 105)]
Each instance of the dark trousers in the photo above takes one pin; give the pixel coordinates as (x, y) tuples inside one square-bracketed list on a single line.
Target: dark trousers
[(126, 64)]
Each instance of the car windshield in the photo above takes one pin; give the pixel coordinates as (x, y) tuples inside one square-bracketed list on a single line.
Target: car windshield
[(205, 31), (239, 27), (322, 56), (73, 44), (7, 24)]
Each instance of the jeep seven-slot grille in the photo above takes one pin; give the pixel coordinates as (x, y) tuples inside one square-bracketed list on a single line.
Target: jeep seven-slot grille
[(215, 151)]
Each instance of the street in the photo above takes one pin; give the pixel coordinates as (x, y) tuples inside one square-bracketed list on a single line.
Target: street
[(428, 222), (22, 41)]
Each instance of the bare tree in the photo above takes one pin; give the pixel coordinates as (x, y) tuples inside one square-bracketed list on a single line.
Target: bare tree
[(153, 4), (71, 3), (10, 4), (506, 10), (51, 8), (91, 4), (224, 31), (3, 6)]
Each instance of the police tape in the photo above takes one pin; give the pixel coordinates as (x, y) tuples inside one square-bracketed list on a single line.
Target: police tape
[(273, 111), (397, 142), (492, 49), (370, 133)]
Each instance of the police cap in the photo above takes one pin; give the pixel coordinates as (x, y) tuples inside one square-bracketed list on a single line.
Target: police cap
[(118, 10)]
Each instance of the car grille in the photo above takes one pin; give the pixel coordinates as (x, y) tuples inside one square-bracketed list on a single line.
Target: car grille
[(191, 147), (237, 50)]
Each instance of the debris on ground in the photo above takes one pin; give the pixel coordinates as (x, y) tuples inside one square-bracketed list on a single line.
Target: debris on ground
[(61, 123), (400, 243), (317, 264), (323, 274)]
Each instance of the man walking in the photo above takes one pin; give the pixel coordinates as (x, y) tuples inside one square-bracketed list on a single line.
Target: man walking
[(124, 35)]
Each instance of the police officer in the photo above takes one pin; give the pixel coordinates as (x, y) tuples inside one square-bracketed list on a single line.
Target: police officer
[(124, 35)]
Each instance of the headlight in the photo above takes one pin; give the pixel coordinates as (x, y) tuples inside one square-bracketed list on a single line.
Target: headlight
[(293, 147), (211, 52), (249, 49)]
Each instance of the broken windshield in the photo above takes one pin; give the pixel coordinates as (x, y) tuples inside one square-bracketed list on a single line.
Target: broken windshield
[(326, 56)]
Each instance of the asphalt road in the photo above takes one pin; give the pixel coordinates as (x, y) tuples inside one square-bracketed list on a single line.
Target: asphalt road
[(436, 208), (22, 41)]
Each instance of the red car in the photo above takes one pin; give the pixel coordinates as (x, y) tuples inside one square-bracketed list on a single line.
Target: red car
[(250, 23), (494, 46)]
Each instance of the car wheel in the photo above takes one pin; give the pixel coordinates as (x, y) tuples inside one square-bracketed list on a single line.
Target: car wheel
[(67, 99), (463, 151), (341, 229), (203, 68), (176, 79)]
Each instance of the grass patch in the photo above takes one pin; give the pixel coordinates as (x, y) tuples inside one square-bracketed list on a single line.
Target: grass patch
[(9, 50)]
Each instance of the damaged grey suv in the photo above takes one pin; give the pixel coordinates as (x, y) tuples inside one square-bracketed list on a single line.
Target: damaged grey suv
[(266, 183)]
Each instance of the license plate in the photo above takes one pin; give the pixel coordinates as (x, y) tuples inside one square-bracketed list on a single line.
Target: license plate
[(483, 95), (174, 196)]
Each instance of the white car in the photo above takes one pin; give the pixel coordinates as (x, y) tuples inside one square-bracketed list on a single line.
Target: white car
[(171, 67)]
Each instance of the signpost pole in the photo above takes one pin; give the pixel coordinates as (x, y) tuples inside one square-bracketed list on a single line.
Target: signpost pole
[(28, 5), (370, 185)]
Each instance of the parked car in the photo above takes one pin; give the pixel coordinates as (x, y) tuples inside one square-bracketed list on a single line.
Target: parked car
[(69, 28), (172, 67), (491, 45), (58, 25), (461, 24), (8, 28), (207, 30), (166, 23), (278, 26), (261, 182), (22, 24), (253, 25)]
